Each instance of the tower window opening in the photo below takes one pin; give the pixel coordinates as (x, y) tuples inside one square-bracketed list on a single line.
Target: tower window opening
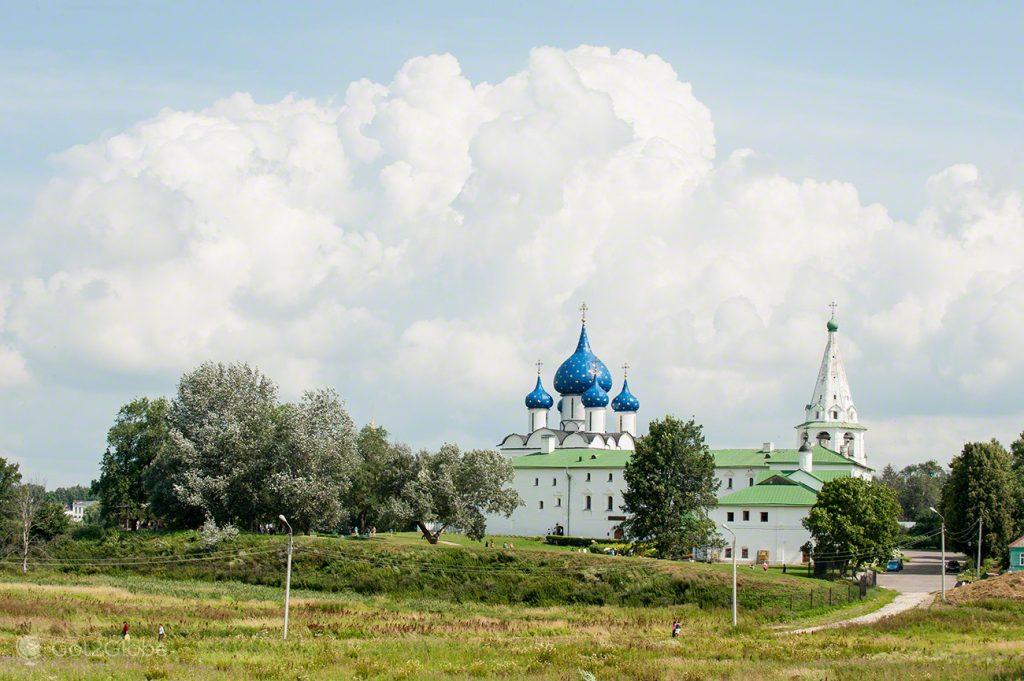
[(542, 505), (611, 503), (586, 505)]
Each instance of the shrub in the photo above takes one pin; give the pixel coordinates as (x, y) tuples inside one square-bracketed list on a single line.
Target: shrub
[(212, 534)]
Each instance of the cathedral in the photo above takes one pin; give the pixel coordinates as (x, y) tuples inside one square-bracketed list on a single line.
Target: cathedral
[(569, 472)]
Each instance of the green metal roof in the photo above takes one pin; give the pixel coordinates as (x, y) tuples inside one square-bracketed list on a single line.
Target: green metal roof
[(785, 493), (724, 458), (831, 424), (754, 458), (576, 457)]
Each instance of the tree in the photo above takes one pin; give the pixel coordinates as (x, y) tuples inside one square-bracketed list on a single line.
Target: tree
[(140, 432), (980, 485), (455, 490), (918, 487), (28, 502), (383, 470), (854, 522), (670, 488), (224, 421), (65, 496), (315, 460), (10, 479)]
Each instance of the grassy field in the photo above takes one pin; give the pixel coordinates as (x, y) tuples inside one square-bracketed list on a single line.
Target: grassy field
[(65, 623)]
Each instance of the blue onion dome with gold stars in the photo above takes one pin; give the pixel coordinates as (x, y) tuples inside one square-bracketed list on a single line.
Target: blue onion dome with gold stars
[(539, 398), (595, 396), (577, 373), (625, 400)]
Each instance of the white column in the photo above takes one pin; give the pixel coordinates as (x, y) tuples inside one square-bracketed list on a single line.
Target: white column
[(595, 419)]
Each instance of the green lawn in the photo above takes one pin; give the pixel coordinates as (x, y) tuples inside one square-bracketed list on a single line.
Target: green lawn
[(228, 630), (395, 607)]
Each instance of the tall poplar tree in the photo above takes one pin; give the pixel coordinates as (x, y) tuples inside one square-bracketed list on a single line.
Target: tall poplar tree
[(980, 485)]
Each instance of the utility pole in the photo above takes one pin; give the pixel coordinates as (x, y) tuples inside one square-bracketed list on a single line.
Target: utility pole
[(733, 573), (942, 568), (977, 563), (288, 576)]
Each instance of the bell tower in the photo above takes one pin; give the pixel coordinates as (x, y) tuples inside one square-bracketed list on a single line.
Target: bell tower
[(830, 418)]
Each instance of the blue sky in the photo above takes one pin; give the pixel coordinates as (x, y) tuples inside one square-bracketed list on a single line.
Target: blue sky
[(876, 95)]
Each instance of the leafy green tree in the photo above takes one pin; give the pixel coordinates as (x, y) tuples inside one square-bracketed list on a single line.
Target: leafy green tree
[(854, 522), (140, 432), (383, 470), (455, 490), (670, 488), (67, 495), (980, 485), (50, 522), (315, 460), (918, 487), (224, 421), (10, 479)]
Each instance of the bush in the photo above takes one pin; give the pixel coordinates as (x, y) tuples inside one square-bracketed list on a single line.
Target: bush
[(212, 535), (88, 532)]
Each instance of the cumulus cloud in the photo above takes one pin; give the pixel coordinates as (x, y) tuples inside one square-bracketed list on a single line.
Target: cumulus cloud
[(422, 242)]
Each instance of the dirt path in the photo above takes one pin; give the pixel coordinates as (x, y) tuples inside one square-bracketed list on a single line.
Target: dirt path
[(902, 603)]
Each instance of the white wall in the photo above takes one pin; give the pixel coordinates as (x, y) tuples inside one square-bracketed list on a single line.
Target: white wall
[(563, 493), (782, 536)]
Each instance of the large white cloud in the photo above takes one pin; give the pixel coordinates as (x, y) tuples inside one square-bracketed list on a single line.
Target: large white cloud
[(422, 242)]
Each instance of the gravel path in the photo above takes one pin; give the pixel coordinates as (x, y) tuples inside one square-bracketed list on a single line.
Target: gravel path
[(902, 603)]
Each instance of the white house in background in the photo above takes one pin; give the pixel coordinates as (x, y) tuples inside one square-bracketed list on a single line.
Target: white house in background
[(77, 510), (570, 473)]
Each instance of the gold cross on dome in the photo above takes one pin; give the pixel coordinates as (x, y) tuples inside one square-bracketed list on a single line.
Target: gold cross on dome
[(625, 370), (539, 365), (833, 307), (583, 313)]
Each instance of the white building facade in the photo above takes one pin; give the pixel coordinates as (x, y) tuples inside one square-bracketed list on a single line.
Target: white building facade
[(569, 465)]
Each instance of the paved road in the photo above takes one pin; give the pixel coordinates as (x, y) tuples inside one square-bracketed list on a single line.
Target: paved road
[(921, 574)]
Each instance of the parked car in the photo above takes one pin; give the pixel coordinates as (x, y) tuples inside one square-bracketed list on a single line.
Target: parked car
[(953, 567), (894, 565)]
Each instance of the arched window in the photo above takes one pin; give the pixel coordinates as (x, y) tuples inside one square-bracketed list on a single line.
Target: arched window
[(848, 441), (824, 439)]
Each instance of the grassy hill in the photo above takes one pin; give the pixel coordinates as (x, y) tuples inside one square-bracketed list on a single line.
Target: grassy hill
[(460, 571)]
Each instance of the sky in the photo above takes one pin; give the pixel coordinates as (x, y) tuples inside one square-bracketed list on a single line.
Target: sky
[(409, 202)]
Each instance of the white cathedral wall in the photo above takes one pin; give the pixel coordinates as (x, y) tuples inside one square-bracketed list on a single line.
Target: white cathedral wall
[(782, 536), (564, 495)]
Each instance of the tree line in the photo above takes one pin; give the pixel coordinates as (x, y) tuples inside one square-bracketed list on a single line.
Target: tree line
[(226, 449)]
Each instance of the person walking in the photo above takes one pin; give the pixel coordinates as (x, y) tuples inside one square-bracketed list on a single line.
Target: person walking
[(160, 633), (124, 632), (677, 627)]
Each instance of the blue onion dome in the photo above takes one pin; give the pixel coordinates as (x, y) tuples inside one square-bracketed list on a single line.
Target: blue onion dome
[(539, 398), (577, 373), (625, 400), (595, 396)]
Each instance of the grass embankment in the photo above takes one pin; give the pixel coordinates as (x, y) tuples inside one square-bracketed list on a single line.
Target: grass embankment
[(398, 566), (227, 630)]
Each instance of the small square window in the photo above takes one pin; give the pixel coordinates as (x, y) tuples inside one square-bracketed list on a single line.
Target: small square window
[(746, 515), (728, 552), (764, 516), (744, 552), (730, 516)]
